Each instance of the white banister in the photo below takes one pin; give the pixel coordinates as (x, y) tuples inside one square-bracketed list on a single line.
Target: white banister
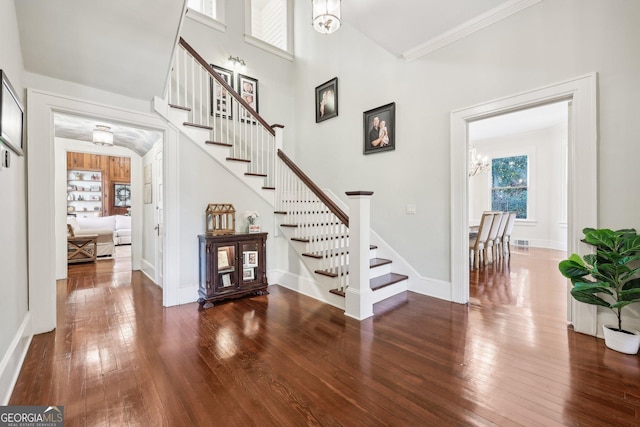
[(359, 296)]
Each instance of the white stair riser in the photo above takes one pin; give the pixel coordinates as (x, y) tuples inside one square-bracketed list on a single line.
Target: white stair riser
[(389, 291)]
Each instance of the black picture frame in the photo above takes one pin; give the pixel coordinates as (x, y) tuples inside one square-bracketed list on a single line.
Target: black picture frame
[(11, 117), (121, 195), (374, 140), (248, 90), (221, 100), (327, 100)]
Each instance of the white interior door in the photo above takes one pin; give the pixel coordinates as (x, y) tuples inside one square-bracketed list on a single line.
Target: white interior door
[(159, 227)]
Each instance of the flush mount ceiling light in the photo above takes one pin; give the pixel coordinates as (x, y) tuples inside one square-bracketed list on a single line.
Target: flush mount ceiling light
[(102, 135), (325, 15)]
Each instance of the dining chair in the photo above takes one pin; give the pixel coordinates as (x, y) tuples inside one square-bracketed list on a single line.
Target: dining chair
[(506, 236), (497, 242), (493, 233), (477, 245)]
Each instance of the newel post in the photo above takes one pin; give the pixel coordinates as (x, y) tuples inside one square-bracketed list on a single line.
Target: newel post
[(359, 296)]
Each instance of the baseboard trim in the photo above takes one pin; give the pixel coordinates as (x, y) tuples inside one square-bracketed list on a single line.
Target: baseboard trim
[(304, 286), (149, 270), (13, 360), (187, 294)]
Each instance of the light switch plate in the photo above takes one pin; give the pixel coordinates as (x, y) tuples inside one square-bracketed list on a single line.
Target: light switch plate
[(411, 209)]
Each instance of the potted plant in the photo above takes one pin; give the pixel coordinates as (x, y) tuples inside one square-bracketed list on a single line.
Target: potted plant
[(606, 278)]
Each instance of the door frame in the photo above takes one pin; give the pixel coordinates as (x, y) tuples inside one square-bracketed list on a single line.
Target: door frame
[(582, 172)]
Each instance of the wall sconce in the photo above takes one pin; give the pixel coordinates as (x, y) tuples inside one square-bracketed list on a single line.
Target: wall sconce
[(236, 64)]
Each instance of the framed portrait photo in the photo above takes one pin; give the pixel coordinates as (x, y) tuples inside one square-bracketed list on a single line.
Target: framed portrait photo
[(221, 100), (380, 129), (250, 259), (248, 90), (327, 100), (11, 116), (248, 274)]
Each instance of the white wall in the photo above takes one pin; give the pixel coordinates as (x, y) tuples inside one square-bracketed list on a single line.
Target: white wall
[(14, 333), (549, 42), (545, 226), (62, 146), (202, 181)]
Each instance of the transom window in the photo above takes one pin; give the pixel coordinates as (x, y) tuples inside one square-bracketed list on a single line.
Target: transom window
[(206, 7), (509, 185), (269, 19)]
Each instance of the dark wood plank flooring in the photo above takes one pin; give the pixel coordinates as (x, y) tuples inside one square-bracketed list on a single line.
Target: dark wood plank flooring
[(508, 358)]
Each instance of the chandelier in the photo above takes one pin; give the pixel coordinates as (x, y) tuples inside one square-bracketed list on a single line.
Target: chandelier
[(325, 15), (102, 135), (477, 163)]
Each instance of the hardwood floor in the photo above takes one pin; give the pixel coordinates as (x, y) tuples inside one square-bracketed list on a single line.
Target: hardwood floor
[(508, 358)]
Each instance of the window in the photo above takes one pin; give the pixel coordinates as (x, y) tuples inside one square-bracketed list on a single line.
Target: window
[(206, 7), (269, 25), (509, 185)]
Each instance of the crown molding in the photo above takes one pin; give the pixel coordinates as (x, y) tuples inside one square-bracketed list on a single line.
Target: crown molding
[(476, 24)]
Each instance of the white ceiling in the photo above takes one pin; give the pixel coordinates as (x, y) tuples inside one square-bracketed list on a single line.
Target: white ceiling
[(120, 46), (125, 47), (518, 122), (81, 128), (413, 28)]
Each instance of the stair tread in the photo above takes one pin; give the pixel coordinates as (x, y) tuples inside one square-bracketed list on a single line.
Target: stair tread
[(195, 125), (180, 107), (305, 240), (310, 224), (386, 280), (378, 282), (373, 263), (320, 255), (262, 175), (223, 144), (235, 159), (268, 188)]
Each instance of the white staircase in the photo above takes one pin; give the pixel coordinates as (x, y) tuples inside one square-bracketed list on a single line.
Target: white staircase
[(316, 227)]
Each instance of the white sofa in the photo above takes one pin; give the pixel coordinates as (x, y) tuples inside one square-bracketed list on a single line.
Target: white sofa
[(111, 230), (122, 231)]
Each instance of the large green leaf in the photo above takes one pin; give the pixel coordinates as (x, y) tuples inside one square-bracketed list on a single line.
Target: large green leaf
[(632, 284), (602, 238), (571, 268), (631, 295), (631, 245), (621, 304), (589, 298), (592, 287)]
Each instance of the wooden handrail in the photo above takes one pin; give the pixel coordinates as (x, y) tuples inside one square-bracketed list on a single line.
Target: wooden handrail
[(339, 213), (225, 85)]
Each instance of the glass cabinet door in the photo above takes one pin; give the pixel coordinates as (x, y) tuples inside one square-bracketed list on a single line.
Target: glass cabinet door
[(250, 262), (226, 268)]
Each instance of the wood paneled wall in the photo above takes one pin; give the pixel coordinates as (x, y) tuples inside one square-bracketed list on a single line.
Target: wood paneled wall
[(115, 170)]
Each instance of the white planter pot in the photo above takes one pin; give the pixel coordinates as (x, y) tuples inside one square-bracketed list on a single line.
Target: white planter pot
[(619, 341)]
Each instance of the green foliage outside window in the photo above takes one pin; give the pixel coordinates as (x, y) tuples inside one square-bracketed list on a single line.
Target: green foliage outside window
[(509, 185)]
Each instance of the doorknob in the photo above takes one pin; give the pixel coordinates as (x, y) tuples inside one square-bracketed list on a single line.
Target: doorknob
[(157, 228)]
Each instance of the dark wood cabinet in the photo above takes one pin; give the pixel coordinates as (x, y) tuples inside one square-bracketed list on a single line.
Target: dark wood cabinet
[(231, 266)]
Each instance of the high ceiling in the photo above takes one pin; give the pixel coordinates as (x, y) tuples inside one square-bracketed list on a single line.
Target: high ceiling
[(125, 47), (413, 28)]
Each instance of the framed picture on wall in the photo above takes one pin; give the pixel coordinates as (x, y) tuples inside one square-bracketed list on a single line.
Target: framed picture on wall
[(248, 90), (327, 100), (11, 116), (221, 104), (380, 129)]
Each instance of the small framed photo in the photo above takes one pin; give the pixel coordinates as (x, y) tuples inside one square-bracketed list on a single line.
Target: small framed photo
[(380, 129), (248, 90), (11, 116), (223, 259), (226, 280), (248, 274), (250, 258), (221, 104), (327, 100)]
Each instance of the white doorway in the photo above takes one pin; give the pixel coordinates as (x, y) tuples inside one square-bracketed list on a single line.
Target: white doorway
[(582, 176)]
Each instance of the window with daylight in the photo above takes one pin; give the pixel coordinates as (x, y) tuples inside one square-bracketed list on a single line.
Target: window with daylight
[(509, 185), (269, 22), (206, 7)]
